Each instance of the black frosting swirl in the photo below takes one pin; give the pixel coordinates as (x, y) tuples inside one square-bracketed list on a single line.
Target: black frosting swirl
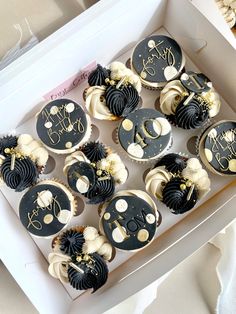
[(93, 275), (94, 151), (22, 176), (98, 76), (174, 163), (101, 191), (71, 242), (176, 199), (7, 142), (191, 116), (122, 101)]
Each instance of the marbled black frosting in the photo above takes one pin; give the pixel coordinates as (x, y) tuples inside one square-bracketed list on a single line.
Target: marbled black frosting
[(71, 242), (94, 275), (191, 116), (22, 176), (94, 151), (176, 199), (98, 76), (123, 100), (101, 191), (174, 163), (7, 142)]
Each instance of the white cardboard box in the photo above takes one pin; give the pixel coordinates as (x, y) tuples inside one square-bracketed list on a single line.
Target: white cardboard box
[(105, 32)]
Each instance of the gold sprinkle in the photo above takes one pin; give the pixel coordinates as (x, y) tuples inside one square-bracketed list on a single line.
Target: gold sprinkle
[(182, 186)]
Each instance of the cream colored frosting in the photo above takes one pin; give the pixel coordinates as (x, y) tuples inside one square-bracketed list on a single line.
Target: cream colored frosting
[(94, 242), (120, 71), (58, 266), (156, 180), (213, 98), (114, 165), (96, 104), (74, 157), (228, 11), (196, 174), (171, 95), (32, 148)]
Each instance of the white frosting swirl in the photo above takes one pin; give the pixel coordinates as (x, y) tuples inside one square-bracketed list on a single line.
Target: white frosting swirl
[(32, 148), (119, 71), (156, 180), (171, 95), (196, 174), (227, 9), (114, 165), (96, 104), (213, 98), (96, 243), (58, 266), (74, 157)]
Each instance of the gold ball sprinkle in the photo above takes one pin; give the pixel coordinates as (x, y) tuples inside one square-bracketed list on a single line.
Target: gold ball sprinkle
[(86, 258), (7, 150), (182, 186), (79, 258), (107, 216), (188, 183), (99, 172)]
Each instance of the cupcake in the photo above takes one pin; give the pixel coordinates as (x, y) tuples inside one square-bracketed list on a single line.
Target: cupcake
[(191, 101), (22, 159), (79, 258), (129, 220), (63, 126), (179, 182), (228, 10), (47, 208), (217, 148), (157, 59), (94, 171), (145, 134), (113, 93)]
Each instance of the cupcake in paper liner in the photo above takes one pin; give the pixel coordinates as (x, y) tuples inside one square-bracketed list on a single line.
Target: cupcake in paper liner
[(47, 208), (22, 160), (63, 126), (190, 102), (179, 182), (144, 135), (94, 171), (129, 220), (228, 10), (79, 258), (216, 147), (113, 92), (157, 59)]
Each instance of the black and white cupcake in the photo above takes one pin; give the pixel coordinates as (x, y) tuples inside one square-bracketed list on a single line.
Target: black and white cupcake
[(22, 160), (79, 257), (113, 93), (191, 101), (62, 126), (178, 182), (94, 171), (129, 220)]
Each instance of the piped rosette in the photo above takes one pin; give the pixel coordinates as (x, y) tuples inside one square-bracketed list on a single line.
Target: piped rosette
[(79, 257), (190, 102), (22, 159), (113, 92), (179, 182), (94, 171)]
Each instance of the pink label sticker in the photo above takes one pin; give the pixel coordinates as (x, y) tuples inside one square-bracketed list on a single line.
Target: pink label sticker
[(75, 80)]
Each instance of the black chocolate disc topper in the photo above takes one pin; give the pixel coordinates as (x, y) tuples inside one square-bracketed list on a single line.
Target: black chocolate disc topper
[(195, 82), (61, 124), (219, 147), (44, 210), (81, 177), (144, 134), (157, 59), (129, 222)]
